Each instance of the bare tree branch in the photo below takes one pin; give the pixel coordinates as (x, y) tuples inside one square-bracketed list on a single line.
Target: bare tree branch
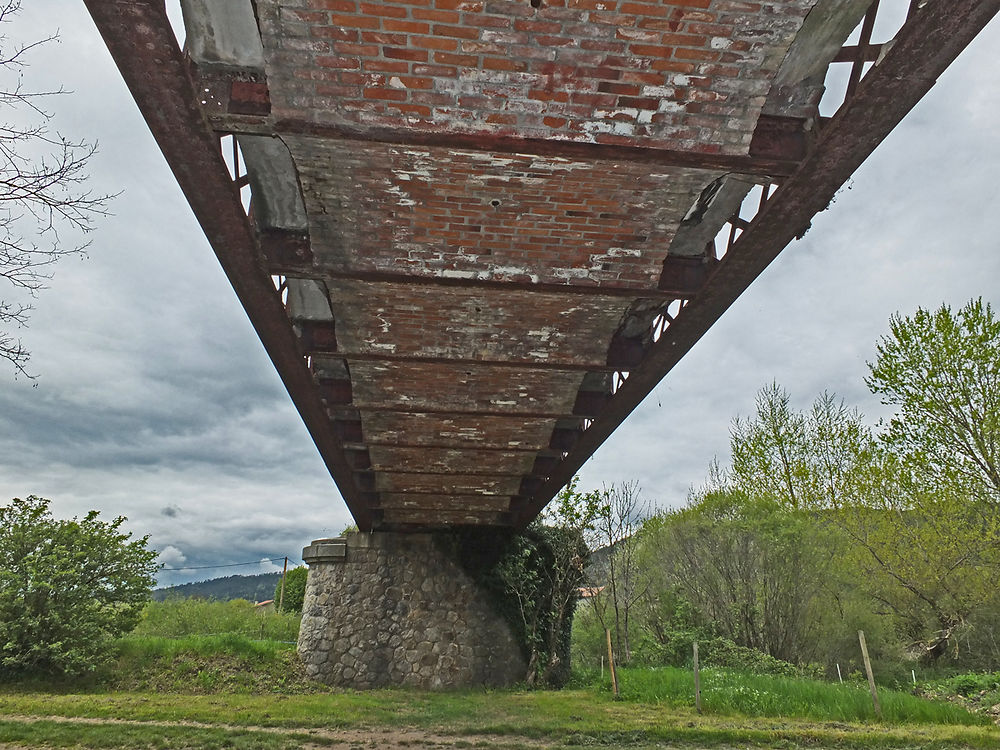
[(43, 192)]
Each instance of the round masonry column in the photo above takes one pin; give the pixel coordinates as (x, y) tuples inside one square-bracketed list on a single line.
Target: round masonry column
[(388, 608)]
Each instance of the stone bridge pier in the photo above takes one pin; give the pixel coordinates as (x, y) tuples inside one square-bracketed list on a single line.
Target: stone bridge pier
[(389, 608)]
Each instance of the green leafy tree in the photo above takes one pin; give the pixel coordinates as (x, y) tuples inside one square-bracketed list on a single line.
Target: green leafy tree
[(754, 569), (770, 449), (622, 580), (541, 574), (295, 589), (798, 459), (919, 534), (929, 554), (67, 588), (942, 370), (933, 496), (841, 445)]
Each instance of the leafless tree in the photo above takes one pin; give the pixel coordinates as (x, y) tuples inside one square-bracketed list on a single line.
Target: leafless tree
[(43, 178), (625, 583)]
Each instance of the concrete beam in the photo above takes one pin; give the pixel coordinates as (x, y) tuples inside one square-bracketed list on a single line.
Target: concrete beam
[(277, 197), (308, 300), (798, 84), (325, 551), (710, 211), (223, 32)]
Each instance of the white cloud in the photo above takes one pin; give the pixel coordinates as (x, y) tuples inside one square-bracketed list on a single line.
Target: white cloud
[(171, 557)]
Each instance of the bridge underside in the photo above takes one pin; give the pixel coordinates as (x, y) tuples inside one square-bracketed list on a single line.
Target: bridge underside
[(474, 234)]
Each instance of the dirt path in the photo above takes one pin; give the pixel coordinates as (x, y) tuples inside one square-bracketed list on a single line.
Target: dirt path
[(380, 737)]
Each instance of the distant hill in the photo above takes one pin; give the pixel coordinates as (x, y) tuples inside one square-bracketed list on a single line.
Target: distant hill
[(256, 588)]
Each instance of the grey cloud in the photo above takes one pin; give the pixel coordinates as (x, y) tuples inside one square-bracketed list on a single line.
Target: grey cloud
[(155, 395)]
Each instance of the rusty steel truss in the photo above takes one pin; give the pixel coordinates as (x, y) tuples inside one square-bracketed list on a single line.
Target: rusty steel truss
[(797, 162)]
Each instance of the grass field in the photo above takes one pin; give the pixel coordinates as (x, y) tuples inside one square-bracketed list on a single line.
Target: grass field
[(226, 711), (395, 718), (180, 683), (725, 692), (183, 617)]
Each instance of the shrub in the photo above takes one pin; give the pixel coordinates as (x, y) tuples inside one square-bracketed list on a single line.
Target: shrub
[(972, 683), (67, 588), (722, 652)]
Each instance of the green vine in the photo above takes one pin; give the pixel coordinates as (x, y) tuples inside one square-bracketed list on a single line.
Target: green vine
[(531, 579)]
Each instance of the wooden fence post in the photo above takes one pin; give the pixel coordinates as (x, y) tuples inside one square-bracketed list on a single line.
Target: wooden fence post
[(697, 680), (281, 596), (871, 677)]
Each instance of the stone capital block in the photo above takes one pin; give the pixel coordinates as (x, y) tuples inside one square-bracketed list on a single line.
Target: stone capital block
[(325, 551)]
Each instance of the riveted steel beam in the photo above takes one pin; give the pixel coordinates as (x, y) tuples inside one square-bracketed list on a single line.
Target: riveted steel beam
[(778, 146)]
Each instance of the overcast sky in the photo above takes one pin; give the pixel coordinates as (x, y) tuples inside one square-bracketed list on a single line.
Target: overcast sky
[(155, 400)]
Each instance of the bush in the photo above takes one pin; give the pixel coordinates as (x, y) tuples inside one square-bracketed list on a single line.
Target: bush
[(669, 625), (67, 589), (295, 590), (532, 580), (970, 684), (722, 652)]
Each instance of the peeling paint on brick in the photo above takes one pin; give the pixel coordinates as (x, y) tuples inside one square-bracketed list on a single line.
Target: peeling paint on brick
[(472, 324), (465, 214), (459, 430), (564, 70), (425, 386)]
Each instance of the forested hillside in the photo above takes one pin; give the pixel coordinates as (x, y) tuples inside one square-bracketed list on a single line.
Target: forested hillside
[(255, 588)]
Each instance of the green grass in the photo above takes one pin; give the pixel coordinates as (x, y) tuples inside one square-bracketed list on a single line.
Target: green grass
[(569, 717), (183, 617), (235, 691), (734, 693), (207, 664), (197, 646), (47, 733), (138, 647)]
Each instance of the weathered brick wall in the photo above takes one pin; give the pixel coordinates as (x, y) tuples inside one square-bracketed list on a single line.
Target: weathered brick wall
[(409, 320), (688, 74), (489, 216), (464, 503), (463, 388), (477, 431), (396, 611), (462, 460), (453, 484)]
